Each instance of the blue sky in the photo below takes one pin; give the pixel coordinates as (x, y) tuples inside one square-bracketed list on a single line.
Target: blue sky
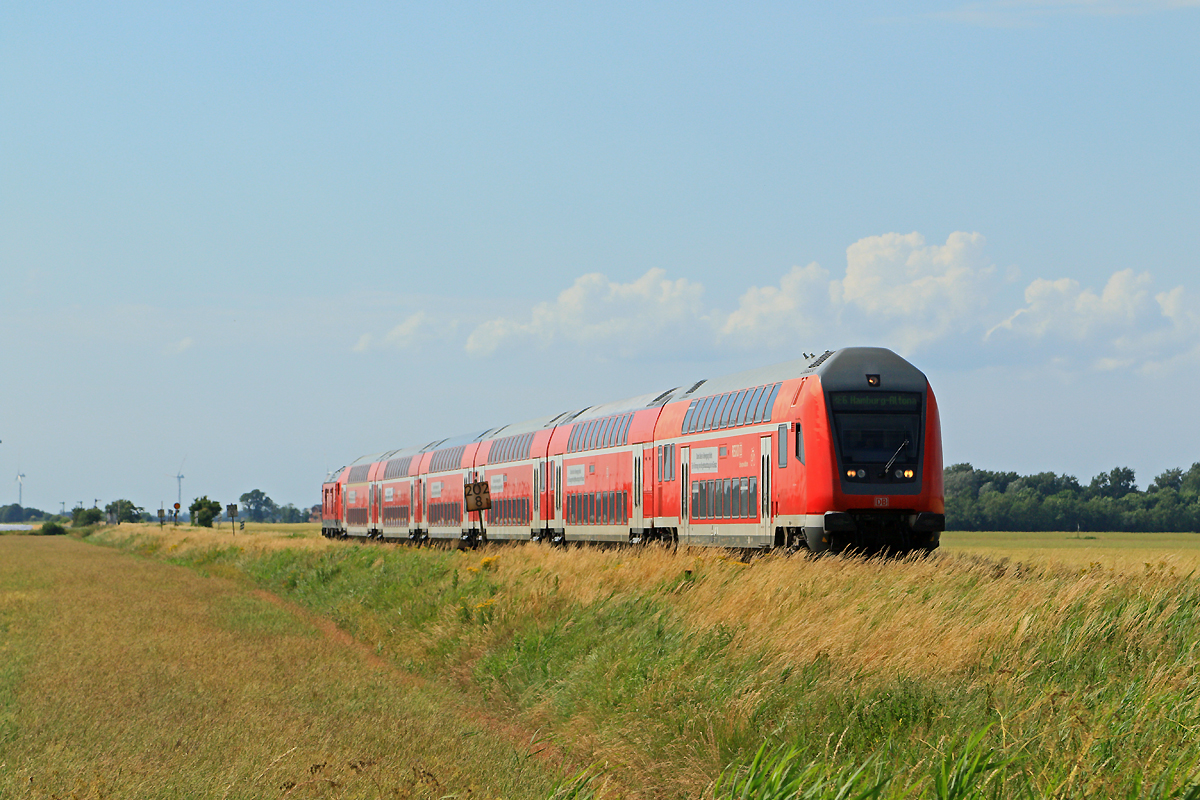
[(274, 237)]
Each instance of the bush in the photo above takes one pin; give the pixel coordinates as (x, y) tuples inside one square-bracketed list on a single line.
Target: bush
[(52, 529), (82, 517), (204, 511)]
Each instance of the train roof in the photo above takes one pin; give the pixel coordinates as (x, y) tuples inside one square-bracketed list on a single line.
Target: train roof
[(836, 367)]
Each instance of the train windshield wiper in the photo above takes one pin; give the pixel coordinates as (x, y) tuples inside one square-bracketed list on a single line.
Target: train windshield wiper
[(892, 460)]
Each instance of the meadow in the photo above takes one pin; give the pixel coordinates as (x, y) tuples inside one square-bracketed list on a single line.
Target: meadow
[(1006, 665)]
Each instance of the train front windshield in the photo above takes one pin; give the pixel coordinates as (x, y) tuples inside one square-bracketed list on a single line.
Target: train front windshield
[(875, 428)]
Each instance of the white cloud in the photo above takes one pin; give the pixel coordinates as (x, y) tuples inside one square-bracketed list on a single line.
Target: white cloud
[(916, 293), (406, 334), (800, 303), (1121, 325), (943, 302), (610, 316)]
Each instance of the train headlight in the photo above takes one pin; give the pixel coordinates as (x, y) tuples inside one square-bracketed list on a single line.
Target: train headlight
[(908, 473), (851, 473), (899, 473), (862, 473)]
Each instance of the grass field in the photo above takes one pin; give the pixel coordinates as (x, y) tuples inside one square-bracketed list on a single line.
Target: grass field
[(1070, 660), (1112, 550), (122, 677)]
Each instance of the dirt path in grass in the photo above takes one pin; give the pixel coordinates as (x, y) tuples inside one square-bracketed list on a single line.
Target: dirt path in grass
[(516, 735), (123, 676)]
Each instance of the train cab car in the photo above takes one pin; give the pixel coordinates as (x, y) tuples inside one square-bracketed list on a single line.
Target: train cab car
[(875, 455)]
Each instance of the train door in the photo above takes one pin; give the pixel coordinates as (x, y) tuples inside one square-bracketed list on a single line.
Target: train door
[(412, 506), (764, 485), (685, 492), (635, 511), (556, 464), (422, 495), (373, 504)]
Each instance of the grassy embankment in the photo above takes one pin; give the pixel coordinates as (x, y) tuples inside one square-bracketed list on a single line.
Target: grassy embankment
[(670, 667)]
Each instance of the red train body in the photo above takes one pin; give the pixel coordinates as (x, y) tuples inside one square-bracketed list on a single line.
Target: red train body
[(841, 451)]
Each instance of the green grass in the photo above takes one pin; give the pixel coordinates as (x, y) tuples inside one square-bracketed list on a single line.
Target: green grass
[(949, 677)]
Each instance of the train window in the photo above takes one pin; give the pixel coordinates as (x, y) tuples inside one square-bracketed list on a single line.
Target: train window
[(762, 412), (746, 415), (625, 425), (594, 438), (735, 409), (661, 475), (771, 402), (714, 491), (697, 416), (688, 416), (622, 504), (753, 415), (700, 508), (782, 449), (753, 496), (671, 464), (695, 499), (799, 443), (592, 508), (730, 508), (710, 408), (714, 421), (743, 497), (572, 438), (728, 409)]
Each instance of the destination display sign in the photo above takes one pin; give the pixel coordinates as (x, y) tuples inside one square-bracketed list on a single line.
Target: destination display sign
[(576, 475), (704, 460), (893, 402)]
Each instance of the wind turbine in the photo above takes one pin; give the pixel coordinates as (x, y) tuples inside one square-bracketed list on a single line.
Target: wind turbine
[(178, 476), (20, 488)]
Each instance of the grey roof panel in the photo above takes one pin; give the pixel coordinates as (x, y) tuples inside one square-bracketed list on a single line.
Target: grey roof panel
[(847, 366)]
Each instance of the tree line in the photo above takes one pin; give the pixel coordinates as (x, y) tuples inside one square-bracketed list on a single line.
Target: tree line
[(254, 506), (982, 500)]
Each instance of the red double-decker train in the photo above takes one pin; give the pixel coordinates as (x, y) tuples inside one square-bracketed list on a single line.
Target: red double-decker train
[(839, 451)]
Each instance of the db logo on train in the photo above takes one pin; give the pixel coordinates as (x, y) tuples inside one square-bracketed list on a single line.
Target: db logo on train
[(881, 502)]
